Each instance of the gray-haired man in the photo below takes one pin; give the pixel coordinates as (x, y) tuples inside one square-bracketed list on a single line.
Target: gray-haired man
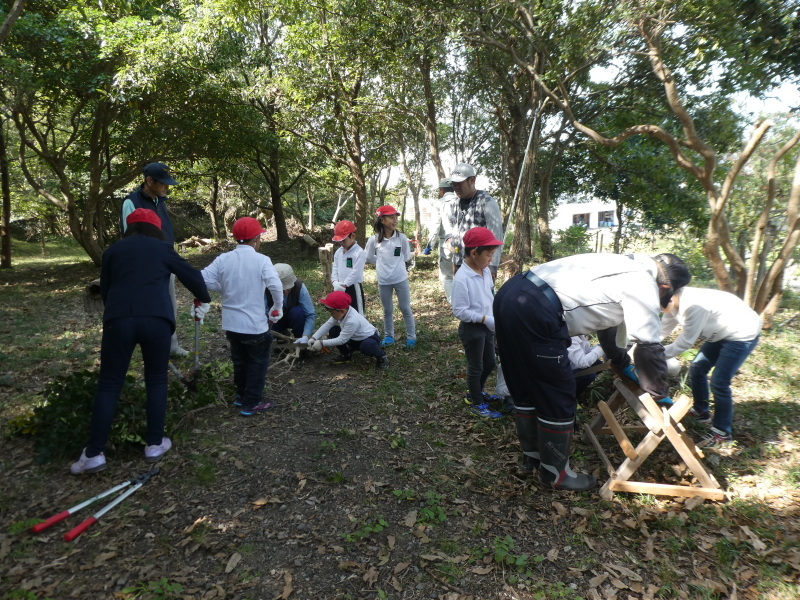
[(475, 208)]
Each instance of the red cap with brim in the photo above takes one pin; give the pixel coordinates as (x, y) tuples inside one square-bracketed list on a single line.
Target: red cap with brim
[(480, 236), (247, 228), (342, 230), (144, 215), (386, 211), (336, 300)]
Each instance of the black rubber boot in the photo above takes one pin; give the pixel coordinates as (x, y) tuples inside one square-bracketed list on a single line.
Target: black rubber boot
[(555, 439), (527, 431)]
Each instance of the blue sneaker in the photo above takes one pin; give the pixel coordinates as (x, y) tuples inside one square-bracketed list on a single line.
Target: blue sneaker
[(630, 373), (484, 411), (259, 408), (237, 400), (485, 399), (665, 402), (410, 345), (387, 341)]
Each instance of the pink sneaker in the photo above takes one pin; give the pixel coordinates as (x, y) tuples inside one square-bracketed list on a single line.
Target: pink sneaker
[(88, 465), (156, 453)]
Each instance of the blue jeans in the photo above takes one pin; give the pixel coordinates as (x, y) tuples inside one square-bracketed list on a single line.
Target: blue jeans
[(120, 337), (725, 357), (250, 358)]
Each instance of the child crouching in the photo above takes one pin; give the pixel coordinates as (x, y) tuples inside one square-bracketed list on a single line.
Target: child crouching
[(350, 331)]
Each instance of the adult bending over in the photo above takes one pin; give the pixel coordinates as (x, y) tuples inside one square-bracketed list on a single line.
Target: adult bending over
[(537, 312)]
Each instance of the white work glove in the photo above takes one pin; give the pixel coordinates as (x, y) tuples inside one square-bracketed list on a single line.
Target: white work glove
[(315, 346), (489, 322), (598, 350), (302, 340), (339, 287), (275, 314), (199, 312)]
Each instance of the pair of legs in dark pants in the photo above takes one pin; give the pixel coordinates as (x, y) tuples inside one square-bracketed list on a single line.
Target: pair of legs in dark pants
[(293, 320), (532, 339), (120, 337), (250, 357), (725, 357), (370, 346), (478, 342)]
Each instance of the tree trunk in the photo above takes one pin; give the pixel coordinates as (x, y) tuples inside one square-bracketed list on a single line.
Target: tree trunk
[(213, 207), (5, 222), (431, 134)]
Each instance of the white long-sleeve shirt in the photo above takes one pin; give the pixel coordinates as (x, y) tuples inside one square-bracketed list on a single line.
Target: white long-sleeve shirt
[(389, 257), (348, 265), (581, 354), (472, 294), (598, 291), (709, 316), (353, 325), (242, 275)]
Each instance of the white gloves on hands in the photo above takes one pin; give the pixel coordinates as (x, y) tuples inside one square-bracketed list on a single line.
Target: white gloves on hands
[(199, 312), (275, 314), (338, 287), (302, 340), (315, 345), (489, 322), (598, 350)]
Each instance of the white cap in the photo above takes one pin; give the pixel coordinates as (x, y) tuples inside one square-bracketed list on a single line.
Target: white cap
[(461, 172), (286, 274)]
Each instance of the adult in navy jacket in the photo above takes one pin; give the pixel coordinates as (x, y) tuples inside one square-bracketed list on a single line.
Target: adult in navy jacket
[(152, 195), (134, 285)]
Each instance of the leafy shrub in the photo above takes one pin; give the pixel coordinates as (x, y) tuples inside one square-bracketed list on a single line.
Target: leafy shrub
[(60, 423), (573, 240)]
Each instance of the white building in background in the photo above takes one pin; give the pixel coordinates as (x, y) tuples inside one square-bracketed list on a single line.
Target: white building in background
[(594, 214)]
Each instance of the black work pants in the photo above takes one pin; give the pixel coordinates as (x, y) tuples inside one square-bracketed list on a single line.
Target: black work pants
[(532, 340)]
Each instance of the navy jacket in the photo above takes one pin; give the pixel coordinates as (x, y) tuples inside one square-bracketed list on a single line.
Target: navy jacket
[(142, 200), (134, 279)]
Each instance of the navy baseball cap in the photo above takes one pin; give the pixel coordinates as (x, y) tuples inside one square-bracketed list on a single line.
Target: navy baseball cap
[(160, 172)]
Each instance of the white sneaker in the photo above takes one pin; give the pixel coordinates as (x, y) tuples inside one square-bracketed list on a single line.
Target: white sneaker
[(178, 351), (156, 453), (88, 465)]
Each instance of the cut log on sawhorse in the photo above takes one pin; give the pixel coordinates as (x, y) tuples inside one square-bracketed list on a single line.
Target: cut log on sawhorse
[(659, 423)]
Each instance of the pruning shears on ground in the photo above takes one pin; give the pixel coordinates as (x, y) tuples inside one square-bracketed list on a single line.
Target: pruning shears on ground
[(136, 482)]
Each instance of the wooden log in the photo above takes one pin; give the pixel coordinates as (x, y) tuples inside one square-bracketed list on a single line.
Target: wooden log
[(326, 261)]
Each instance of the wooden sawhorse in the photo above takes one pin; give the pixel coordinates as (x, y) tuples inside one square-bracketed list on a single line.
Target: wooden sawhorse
[(658, 424)]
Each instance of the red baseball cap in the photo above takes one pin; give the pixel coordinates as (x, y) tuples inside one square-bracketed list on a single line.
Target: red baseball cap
[(336, 300), (342, 230), (386, 211), (247, 228), (144, 215), (480, 236)]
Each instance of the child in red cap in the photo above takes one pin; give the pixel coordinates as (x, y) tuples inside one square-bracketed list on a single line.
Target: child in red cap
[(473, 293), (349, 330), (390, 252), (242, 275), (348, 264)]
